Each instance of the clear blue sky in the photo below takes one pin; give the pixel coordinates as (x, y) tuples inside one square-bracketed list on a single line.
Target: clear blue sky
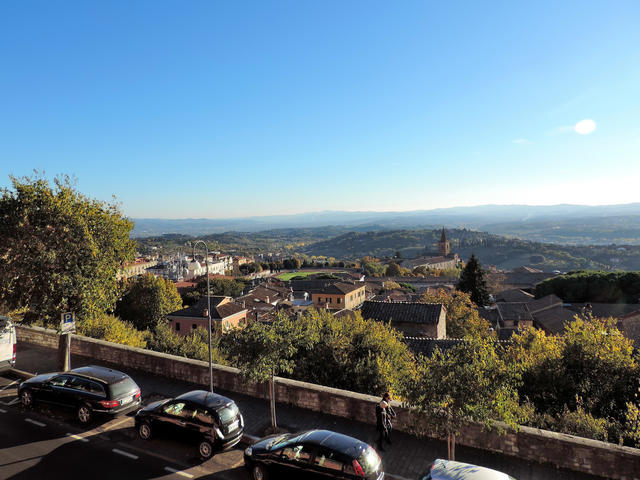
[(223, 109)]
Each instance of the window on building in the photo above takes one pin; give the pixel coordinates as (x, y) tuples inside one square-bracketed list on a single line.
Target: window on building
[(194, 326), (177, 326), (339, 300)]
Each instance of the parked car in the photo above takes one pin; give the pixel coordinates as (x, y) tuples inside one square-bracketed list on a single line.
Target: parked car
[(313, 454), (88, 390), (7, 344), (449, 470), (210, 420)]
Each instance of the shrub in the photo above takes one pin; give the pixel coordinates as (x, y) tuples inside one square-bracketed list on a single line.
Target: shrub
[(112, 329)]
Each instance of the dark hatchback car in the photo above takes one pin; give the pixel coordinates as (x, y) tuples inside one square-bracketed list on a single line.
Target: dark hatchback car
[(88, 390), (316, 454), (210, 420)]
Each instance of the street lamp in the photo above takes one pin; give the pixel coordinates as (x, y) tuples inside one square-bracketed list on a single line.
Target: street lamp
[(206, 263)]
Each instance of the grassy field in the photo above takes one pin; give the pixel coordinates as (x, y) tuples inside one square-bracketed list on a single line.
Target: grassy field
[(288, 276)]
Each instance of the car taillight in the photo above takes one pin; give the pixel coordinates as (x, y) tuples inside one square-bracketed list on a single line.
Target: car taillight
[(14, 352), (358, 469), (109, 403), (137, 394)]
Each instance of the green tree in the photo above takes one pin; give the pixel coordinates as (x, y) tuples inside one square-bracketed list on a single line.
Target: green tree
[(194, 345), (352, 353), (263, 351), (60, 250), (470, 382), (393, 270), (112, 329), (472, 281), (147, 300), (463, 320)]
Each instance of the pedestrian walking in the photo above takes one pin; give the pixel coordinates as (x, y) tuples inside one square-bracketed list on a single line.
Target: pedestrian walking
[(384, 415)]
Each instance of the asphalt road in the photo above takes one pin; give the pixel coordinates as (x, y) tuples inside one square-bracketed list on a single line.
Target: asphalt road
[(42, 443)]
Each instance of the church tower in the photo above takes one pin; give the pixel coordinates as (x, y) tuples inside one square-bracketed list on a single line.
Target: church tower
[(444, 248)]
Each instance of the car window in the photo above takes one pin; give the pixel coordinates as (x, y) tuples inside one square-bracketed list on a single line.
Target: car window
[(59, 381), (203, 416), (297, 453), (228, 413), (329, 459), (124, 386), (96, 388), (78, 383), (179, 409)]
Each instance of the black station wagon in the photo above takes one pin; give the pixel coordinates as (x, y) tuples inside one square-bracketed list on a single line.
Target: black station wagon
[(88, 390), (210, 420), (316, 454)]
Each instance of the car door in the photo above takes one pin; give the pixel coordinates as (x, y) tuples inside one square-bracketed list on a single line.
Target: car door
[(328, 464), (295, 462), (172, 417), (198, 422), (53, 390)]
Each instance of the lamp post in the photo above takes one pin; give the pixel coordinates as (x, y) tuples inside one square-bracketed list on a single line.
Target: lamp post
[(206, 263)]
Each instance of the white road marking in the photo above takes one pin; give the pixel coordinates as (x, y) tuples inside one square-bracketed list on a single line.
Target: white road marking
[(12, 402), (125, 454), (2, 411), (77, 437), (40, 424), (178, 472), (7, 386)]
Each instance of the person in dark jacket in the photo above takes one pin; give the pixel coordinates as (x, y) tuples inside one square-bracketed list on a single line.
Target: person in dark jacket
[(384, 415)]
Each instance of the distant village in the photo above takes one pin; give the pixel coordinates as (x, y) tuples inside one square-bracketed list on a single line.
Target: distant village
[(391, 299)]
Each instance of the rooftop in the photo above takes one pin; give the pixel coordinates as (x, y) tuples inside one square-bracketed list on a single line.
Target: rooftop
[(409, 312)]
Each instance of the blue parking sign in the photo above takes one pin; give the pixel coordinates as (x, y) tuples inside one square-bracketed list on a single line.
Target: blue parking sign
[(67, 323)]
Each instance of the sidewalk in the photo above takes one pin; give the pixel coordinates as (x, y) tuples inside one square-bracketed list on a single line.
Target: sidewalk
[(408, 457)]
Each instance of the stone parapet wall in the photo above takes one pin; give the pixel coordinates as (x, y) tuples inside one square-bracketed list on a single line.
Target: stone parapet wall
[(563, 451)]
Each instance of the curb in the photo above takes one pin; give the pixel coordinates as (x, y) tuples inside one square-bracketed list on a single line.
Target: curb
[(22, 373)]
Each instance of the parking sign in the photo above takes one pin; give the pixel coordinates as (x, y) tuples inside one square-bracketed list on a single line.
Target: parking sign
[(68, 323)]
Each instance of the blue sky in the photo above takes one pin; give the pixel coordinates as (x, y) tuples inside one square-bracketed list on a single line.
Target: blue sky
[(212, 109)]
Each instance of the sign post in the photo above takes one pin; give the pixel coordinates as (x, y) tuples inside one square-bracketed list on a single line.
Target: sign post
[(67, 327)]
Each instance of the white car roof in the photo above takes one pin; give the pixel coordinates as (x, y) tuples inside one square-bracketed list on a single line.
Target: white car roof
[(449, 470)]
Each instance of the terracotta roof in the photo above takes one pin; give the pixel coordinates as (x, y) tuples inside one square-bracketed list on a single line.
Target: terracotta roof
[(413, 312), (553, 320), (513, 311), (218, 311), (629, 325), (341, 288), (345, 312), (514, 295), (544, 303)]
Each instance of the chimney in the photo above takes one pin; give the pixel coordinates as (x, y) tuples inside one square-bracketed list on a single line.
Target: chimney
[(268, 299)]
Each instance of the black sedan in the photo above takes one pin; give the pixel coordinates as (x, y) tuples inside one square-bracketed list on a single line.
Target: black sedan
[(88, 390), (210, 420), (316, 454)]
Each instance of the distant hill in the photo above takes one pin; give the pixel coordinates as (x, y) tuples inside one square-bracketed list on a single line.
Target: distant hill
[(565, 224), (503, 252)]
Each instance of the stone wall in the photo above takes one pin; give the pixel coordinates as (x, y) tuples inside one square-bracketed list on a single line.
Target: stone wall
[(560, 450)]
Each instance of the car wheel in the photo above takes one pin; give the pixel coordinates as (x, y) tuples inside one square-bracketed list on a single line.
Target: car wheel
[(206, 449), (84, 414), (144, 430), (259, 473), (26, 398)]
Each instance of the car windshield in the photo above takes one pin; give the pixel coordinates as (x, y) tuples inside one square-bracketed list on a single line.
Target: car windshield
[(279, 441), (123, 387), (369, 461), (228, 413)]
